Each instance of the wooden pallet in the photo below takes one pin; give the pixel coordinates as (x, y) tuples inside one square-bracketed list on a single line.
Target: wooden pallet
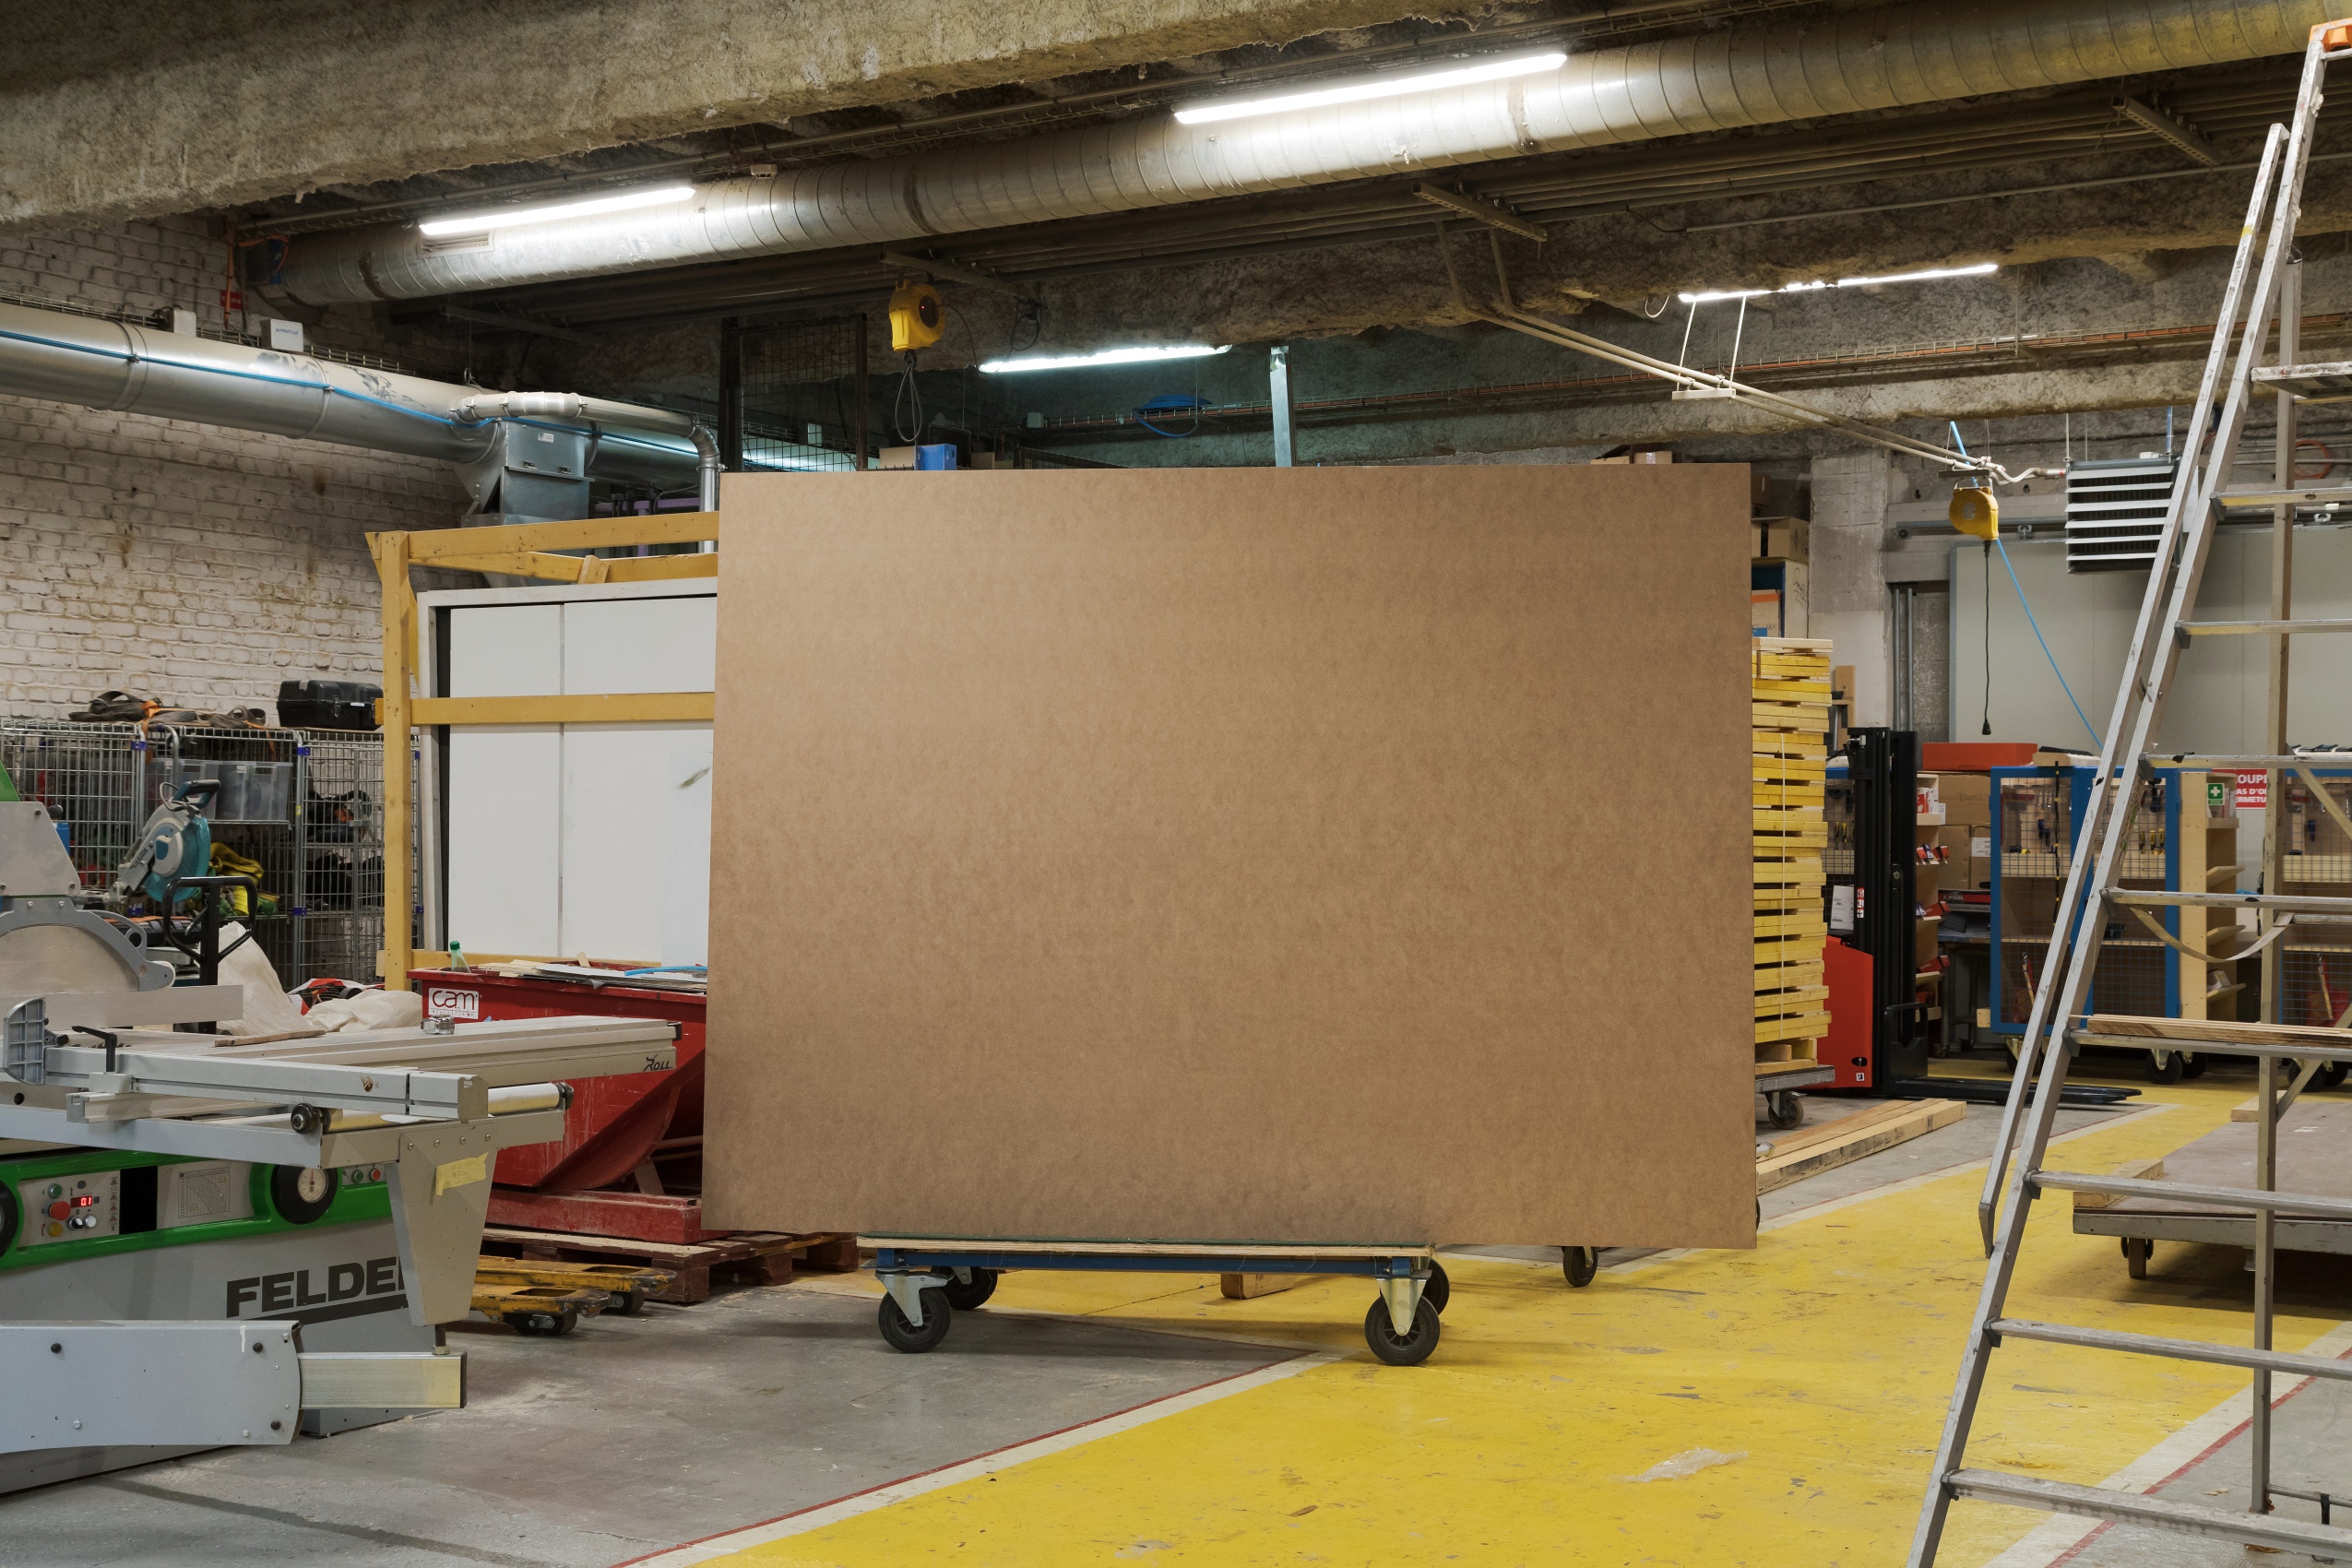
[(1789, 756), (746, 1257)]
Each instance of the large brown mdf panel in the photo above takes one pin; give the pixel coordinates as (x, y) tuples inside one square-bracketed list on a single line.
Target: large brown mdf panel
[(1247, 854)]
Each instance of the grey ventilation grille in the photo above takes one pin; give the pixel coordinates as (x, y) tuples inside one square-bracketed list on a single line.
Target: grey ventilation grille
[(2114, 512)]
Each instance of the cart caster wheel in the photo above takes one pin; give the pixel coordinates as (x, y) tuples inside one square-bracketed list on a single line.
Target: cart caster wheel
[(2137, 1252), (905, 1335), (1783, 1110), (2193, 1066), (2332, 1076), (2165, 1067), (1580, 1265), (1402, 1351), (627, 1303), (971, 1297), (546, 1323), (1440, 1289)]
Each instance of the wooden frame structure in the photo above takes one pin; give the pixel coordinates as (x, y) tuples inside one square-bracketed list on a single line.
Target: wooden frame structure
[(524, 549)]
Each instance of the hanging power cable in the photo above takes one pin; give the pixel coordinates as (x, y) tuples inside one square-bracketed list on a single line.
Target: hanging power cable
[(1975, 512)]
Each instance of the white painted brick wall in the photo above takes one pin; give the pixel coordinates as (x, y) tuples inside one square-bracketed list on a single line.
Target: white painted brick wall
[(180, 561)]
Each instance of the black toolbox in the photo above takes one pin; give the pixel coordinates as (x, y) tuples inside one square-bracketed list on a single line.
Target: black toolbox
[(328, 705)]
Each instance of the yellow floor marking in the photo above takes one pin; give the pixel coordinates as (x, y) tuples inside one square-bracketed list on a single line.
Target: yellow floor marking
[(1824, 1360)]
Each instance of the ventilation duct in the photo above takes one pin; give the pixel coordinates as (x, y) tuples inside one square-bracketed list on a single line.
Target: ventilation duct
[(1891, 57), (530, 452)]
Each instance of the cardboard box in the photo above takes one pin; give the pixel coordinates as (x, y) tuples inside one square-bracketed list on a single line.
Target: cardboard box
[(1967, 798), (1979, 855), (1772, 496), (1952, 873), (1784, 539), (1923, 931), (1841, 682), (1782, 612)]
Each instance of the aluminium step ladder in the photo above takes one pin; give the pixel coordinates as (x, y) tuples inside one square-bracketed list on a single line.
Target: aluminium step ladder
[(2056, 1026)]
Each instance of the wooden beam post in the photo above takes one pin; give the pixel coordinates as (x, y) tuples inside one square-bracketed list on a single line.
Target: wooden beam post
[(392, 554)]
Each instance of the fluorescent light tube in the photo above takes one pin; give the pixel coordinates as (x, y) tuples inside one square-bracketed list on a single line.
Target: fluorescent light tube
[(1982, 269), (1372, 87), (1979, 270), (1107, 356), (513, 217)]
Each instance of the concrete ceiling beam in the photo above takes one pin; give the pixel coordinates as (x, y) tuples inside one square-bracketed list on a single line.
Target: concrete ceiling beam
[(170, 107)]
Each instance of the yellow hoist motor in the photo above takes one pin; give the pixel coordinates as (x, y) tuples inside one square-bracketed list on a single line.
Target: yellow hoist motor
[(914, 316), (1972, 511)]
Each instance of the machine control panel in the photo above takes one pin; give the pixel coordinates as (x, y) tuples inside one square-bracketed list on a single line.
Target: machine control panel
[(71, 1208)]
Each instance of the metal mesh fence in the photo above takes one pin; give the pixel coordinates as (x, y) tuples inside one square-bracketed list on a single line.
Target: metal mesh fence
[(2315, 984), (2315, 848), (801, 394), (297, 810), (1837, 813)]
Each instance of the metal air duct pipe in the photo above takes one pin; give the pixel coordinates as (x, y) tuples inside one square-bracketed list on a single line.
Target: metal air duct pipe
[(1766, 72), (108, 364)]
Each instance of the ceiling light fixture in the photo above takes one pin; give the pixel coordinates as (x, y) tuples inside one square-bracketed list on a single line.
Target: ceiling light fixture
[(1107, 356), (514, 217), (1981, 269), (1357, 91)]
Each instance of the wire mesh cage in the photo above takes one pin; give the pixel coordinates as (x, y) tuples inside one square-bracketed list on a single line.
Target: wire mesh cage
[(2315, 848), (1837, 814), (800, 394), (2315, 982), (295, 810)]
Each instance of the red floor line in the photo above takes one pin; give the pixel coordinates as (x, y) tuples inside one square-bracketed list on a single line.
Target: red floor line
[(2224, 1440)]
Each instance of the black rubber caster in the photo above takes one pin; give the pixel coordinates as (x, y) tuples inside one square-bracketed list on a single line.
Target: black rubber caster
[(1783, 1110), (1580, 1265), (628, 1303), (1406, 1349), (2193, 1066), (2164, 1068), (1440, 1289), (972, 1297), (2331, 1074), (905, 1335), (547, 1323)]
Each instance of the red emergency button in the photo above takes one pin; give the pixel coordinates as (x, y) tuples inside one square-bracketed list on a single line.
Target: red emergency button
[(59, 1210)]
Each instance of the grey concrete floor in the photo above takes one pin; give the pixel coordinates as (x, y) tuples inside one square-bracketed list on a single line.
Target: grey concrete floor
[(627, 1436)]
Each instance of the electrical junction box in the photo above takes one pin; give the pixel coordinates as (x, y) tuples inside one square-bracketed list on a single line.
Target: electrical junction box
[(286, 336)]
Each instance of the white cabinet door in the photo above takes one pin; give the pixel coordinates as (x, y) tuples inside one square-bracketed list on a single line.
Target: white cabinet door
[(592, 838), (506, 783)]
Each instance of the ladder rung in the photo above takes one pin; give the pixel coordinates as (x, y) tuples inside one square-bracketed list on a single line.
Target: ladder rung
[(2319, 495), (2189, 1192), (2213, 1043), (2156, 1513), (2151, 897), (2175, 1349), (2258, 628)]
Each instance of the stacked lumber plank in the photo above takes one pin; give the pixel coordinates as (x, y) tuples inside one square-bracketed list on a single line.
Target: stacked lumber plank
[(1789, 754), (1824, 1146)]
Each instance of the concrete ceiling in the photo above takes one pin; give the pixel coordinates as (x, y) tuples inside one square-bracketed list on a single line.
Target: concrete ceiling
[(245, 111), (169, 107)]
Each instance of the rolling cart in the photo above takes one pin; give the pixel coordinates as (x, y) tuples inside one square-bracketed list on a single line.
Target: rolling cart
[(928, 1279)]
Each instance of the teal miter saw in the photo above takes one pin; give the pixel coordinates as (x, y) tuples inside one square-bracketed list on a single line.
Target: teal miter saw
[(174, 846)]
